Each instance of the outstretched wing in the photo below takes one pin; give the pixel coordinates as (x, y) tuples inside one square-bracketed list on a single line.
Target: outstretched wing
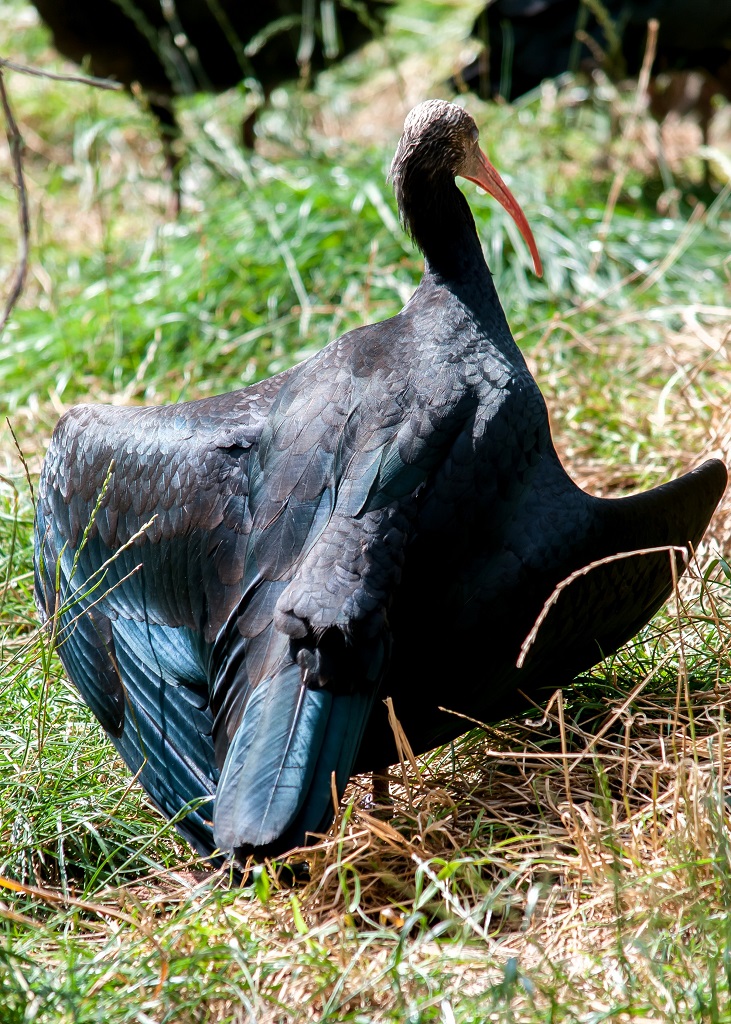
[(141, 532), (222, 572), (333, 495)]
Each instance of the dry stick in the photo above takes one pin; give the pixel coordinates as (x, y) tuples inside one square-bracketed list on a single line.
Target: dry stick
[(531, 755), (531, 638), (625, 766), (11, 915), (403, 749), (15, 142), (26, 69), (564, 751), (53, 897), (334, 794), (485, 726), (642, 84)]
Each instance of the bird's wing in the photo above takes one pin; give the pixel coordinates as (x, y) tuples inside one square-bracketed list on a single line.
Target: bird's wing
[(141, 531), (626, 567), (333, 490)]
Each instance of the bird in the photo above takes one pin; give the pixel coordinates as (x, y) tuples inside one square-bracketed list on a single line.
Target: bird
[(192, 46), (528, 41), (236, 584)]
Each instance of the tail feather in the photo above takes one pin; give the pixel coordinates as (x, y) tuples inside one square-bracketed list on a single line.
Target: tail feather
[(346, 726), (276, 782), (271, 761)]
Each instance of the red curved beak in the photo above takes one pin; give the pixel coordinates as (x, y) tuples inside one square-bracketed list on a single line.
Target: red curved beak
[(481, 171)]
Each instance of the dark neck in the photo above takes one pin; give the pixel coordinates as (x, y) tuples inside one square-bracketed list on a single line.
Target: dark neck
[(440, 221)]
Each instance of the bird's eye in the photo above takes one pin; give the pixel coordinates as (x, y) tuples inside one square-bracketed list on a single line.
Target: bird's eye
[(475, 135)]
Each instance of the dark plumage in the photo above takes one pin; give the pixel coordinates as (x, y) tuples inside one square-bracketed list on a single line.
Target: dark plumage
[(527, 41), (387, 518)]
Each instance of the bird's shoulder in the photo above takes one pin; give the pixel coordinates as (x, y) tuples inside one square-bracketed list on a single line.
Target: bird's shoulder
[(145, 461)]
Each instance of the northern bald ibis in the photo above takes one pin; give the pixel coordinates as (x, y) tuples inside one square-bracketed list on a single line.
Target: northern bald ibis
[(387, 518)]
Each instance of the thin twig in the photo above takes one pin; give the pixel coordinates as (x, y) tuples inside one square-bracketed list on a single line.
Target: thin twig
[(22, 457), (15, 142), (26, 69), (530, 639)]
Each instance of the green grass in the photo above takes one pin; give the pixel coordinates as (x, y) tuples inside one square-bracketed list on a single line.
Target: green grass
[(587, 879)]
